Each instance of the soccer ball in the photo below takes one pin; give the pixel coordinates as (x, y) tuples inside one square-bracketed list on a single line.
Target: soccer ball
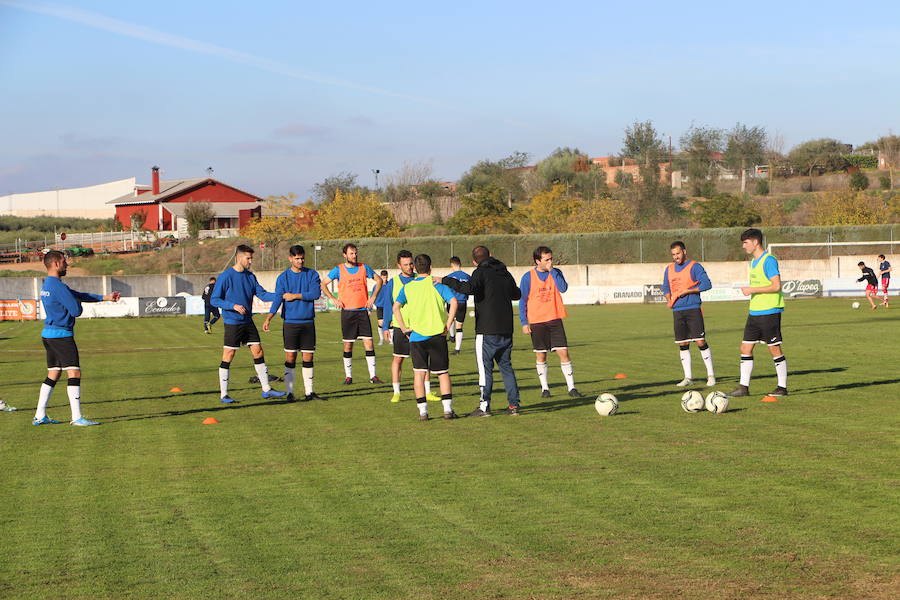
[(717, 402), (606, 405), (855, 305), (471, 313), (692, 401)]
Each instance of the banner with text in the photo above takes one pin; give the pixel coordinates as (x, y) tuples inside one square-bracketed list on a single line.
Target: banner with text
[(162, 306)]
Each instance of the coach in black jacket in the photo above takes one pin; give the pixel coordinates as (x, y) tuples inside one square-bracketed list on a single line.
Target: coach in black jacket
[(494, 290)]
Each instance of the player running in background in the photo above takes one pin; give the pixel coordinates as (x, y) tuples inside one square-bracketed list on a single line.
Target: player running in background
[(233, 294), (379, 304), (456, 330), (764, 321), (61, 305), (420, 314), (884, 269), (683, 280), (210, 312), (541, 311), (868, 275), (355, 303), (296, 291)]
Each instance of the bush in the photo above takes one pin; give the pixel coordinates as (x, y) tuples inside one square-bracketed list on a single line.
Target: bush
[(885, 182), (859, 181), (726, 210), (762, 187), (863, 161), (707, 189)]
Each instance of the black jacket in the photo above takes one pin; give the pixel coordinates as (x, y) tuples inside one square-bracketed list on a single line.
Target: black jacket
[(494, 290)]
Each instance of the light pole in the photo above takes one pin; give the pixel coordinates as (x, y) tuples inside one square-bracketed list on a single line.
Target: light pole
[(376, 172)]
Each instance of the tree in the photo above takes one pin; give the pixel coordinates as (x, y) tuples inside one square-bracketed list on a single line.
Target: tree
[(550, 211), (745, 146), (642, 143), (603, 214), (355, 214), (324, 192), (401, 185), (651, 196), (889, 147), (138, 218), (849, 208), (859, 181), (500, 174), (573, 169), (198, 214), (823, 154), (483, 211), (725, 210), (281, 220), (698, 144)]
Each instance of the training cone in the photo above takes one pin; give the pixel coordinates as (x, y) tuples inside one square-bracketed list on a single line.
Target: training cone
[(175, 390), (769, 399), (621, 376), (210, 421)]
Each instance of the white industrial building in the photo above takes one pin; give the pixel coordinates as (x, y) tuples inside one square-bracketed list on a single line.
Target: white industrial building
[(89, 202)]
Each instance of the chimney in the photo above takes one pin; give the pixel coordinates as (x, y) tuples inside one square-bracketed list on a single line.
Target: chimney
[(155, 181)]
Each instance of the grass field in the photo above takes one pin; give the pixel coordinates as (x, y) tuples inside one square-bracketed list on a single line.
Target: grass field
[(355, 498)]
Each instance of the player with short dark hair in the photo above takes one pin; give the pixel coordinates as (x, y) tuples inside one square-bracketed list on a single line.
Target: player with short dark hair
[(355, 302), (456, 331), (419, 312), (210, 312), (379, 309), (296, 291), (683, 281), (884, 269), (61, 305), (868, 275), (234, 293), (541, 312), (764, 321)]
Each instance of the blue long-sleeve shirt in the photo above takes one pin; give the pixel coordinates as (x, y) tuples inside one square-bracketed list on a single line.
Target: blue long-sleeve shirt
[(61, 305), (306, 282), (387, 299), (238, 287), (688, 301), (525, 285), (460, 276)]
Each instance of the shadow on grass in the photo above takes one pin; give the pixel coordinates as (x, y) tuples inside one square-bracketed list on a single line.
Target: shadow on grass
[(846, 386), (191, 411)]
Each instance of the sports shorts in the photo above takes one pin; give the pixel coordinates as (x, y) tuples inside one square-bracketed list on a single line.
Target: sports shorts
[(241, 334), (299, 337), (355, 324), (763, 329), (62, 353), (401, 343), (460, 316), (431, 355), (688, 325), (549, 336), (379, 313), (871, 288)]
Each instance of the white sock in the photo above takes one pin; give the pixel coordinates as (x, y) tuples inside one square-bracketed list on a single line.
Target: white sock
[(223, 382), (706, 355), (74, 392), (542, 374), (43, 400), (483, 405), (307, 379), (781, 371), (746, 369), (459, 336), (448, 405), (370, 362), (396, 386), (262, 371), (423, 408), (685, 356), (348, 366), (569, 374), (427, 384), (289, 379)]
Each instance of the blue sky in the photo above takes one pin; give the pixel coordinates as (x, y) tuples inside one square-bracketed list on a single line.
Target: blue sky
[(276, 96)]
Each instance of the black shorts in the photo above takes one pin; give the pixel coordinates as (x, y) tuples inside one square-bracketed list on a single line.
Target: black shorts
[(299, 337), (62, 353), (765, 329), (379, 313), (460, 316), (689, 325), (401, 343), (549, 336), (431, 355), (240, 334), (355, 324)]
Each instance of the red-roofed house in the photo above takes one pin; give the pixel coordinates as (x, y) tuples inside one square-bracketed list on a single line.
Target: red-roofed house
[(163, 203)]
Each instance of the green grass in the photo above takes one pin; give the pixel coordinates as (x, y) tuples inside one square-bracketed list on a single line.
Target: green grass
[(355, 498)]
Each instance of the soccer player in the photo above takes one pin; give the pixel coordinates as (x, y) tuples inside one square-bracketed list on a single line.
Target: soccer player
[(494, 290), (456, 331), (355, 303), (868, 275), (884, 269), (61, 305), (764, 321), (420, 313), (379, 301), (210, 312), (233, 293), (541, 312), (296, 291), (683, 280)]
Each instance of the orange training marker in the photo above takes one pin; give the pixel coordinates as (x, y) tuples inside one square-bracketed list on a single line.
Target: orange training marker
[(175, 390), (210, 421), (620, 376), (769, 399)]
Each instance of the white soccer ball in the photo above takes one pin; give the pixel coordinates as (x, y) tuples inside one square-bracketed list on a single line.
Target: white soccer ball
[(716, 402), (855, 305), (692, 401), (606, 405)]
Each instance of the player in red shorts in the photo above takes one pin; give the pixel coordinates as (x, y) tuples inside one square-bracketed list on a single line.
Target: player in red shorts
[(884, 269), (868, 275)]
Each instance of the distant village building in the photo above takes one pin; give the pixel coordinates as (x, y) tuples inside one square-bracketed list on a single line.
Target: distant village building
[(91, 202)]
